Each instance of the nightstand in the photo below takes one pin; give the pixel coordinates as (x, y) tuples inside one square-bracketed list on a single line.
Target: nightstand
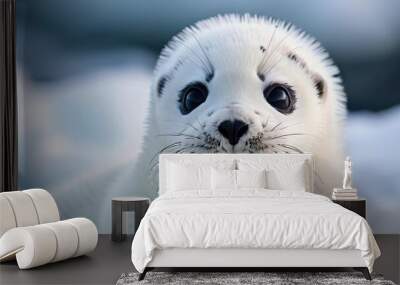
[(358, 206), (125, 204)]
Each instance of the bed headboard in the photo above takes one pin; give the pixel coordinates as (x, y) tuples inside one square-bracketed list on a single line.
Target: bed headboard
[(214, 158)]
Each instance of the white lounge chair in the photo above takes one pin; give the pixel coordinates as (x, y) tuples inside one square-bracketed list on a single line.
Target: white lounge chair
[(31, 230)]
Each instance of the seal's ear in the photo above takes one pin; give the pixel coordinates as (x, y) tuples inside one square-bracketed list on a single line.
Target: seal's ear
[(161, 85), (320, 85)]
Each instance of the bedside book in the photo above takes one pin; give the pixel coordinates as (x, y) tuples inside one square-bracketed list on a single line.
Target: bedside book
[(344, 194), (334, 197)]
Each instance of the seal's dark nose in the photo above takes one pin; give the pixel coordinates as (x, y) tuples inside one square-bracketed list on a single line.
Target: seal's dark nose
[(233, 130)]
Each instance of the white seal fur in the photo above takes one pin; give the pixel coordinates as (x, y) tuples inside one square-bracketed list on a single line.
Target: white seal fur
[(237, 58)]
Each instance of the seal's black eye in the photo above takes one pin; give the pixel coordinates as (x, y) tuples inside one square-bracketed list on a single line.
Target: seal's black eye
[(192, 96), (281, 97)]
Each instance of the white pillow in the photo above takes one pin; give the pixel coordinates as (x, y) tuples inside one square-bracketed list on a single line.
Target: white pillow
[(284, 173), (251, 178), (223, 179), (227, 179), (293, 180), (181, 177)]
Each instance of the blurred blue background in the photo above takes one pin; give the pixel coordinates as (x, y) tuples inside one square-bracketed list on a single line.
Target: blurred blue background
[(84, 70)]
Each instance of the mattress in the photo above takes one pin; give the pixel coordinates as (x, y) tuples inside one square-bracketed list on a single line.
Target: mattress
[(250, 219)]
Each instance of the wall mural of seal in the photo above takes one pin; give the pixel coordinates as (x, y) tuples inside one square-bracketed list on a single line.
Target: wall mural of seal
[(245, 84)]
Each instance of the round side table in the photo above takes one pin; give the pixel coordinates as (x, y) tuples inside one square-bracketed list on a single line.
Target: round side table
[(126, 204)]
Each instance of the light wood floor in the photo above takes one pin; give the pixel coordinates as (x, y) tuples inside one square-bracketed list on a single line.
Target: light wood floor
[(110, 260)]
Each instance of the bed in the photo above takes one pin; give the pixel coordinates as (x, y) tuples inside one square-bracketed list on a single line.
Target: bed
[(247, 211)]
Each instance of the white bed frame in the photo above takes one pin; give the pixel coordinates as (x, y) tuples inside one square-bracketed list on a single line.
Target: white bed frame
[(250, 257), (246, 257)]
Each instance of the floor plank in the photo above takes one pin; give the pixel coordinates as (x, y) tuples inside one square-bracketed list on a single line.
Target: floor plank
[(111, 259), (102, 266), (389, 262)]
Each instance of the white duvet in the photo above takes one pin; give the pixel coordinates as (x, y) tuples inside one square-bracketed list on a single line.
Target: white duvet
[(253, 218)]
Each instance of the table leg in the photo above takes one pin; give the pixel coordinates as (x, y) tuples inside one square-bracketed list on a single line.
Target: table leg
[(116, 221)]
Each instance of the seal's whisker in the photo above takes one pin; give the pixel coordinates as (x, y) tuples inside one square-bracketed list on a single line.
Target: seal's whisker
[(282, 56), (174, 144), (152, 170), (179, 135), (210, 66), (187, 124), (277, 47), (284, 127), (207, 148), (265, 125), (276, 126), (200, 63), (191, 125), (183, 149), (169, 146), (199, 123), (285, 135), (288, 146), (263, 61)]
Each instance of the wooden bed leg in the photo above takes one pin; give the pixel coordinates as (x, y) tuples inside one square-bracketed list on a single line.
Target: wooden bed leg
[(364, 271), (143, 274)]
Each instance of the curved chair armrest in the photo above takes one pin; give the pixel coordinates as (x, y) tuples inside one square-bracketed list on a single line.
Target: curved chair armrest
[(40, 244)]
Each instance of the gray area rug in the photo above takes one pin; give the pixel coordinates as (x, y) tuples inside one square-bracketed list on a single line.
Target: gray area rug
[(269, 278)]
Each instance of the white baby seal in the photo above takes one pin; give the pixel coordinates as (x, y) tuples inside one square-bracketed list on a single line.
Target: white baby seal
[(243, 84)]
